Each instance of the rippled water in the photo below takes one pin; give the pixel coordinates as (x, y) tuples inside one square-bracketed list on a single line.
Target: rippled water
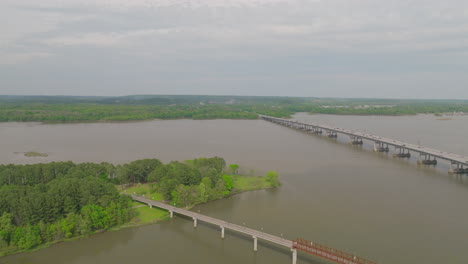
[(348, 197)]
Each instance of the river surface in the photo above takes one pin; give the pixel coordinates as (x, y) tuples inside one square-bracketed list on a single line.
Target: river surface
[(347, 197)]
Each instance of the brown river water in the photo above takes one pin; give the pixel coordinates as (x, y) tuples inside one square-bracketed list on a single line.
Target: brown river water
[(347, 197)]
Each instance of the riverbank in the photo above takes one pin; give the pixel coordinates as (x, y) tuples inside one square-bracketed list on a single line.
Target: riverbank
[(145, 215)]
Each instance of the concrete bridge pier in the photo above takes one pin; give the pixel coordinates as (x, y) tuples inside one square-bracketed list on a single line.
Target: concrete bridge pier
[(381, 147), (318, 131), (294, 256), (355, 140), (150, 206), (332, 134), (171, 214), (426, 159), (222, 232), (255, 243), (194, 222), (458, 168), (402, 153)]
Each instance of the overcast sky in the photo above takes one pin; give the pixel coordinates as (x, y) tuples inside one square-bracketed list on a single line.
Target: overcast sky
[(323, 48)]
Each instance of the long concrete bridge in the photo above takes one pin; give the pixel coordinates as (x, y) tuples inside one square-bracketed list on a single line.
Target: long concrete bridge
[(295, 245), (429, 156)]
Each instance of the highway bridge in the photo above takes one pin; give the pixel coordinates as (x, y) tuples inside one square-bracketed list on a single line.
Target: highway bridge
[(299, 244), (429, 156)]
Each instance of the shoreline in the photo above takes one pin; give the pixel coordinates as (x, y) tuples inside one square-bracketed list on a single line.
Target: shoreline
[(124, 226), (46, 122)]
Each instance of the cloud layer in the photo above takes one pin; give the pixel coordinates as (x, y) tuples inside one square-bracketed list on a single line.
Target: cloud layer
[(360, 48)]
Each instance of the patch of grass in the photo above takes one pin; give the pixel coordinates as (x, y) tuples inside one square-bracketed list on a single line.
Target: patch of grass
[(146, 215), (35, 154), (143, 189), (249, 183)]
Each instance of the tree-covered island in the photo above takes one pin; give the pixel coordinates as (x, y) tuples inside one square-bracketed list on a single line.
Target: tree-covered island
[(46, 203)]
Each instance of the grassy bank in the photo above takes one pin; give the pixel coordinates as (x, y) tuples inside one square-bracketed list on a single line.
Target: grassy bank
[(145, 215)]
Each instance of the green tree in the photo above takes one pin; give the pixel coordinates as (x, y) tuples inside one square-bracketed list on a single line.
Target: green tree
[(27, 237), (228, 184), (272, 178), (233, 168), (96, 216), (68, 225), (6, 228)]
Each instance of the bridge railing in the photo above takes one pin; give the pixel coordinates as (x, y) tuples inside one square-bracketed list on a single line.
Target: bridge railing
[(329, 253)]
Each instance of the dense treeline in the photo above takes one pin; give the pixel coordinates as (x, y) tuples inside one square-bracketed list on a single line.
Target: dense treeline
[(183, 184), (42, 203), (139, 171), (65, 207), (92, 109), (95, 112)]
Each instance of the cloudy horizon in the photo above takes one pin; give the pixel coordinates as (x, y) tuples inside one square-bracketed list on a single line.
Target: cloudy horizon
[(312, 48)]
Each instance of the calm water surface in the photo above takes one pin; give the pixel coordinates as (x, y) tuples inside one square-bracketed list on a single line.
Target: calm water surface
[(351, 198)]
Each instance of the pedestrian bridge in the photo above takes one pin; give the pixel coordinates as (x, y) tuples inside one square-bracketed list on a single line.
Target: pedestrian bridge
[(301, 245)]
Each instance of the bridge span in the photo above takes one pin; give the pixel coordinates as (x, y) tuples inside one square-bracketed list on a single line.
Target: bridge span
[(429, 156), (299, 244)]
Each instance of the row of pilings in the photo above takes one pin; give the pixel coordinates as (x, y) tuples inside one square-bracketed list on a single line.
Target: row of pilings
[(400, 152)]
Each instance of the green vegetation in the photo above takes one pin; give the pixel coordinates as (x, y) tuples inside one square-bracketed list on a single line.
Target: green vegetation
[(146, 215), (66, 207), (141, 189), (44, 203), (272, 178), (35, 154), (249, 183), (233, 168), (95, 109)]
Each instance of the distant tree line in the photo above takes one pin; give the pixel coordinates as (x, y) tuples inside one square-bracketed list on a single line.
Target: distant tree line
[(104, 112), (92, 109)]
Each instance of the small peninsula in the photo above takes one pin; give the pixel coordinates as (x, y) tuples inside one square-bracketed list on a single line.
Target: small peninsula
[(39, 205)]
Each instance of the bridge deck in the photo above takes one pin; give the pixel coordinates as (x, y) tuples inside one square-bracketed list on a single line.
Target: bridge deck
[(218, 222), (452, 157), (298, 244)]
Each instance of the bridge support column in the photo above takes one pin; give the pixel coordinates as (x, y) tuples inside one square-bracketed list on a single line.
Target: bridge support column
[(222, 232), (171, 214), (150, 206), (294, 256), (255, 243), (332, 134), (426, 159), (458, 169), (194, 222), (381, 147), (356, 140), (402, 153)]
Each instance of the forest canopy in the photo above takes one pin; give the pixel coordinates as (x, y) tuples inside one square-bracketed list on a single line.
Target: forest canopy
[(44, 203)]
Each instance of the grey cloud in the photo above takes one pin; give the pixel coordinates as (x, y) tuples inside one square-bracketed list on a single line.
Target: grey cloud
[(263, 47)]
